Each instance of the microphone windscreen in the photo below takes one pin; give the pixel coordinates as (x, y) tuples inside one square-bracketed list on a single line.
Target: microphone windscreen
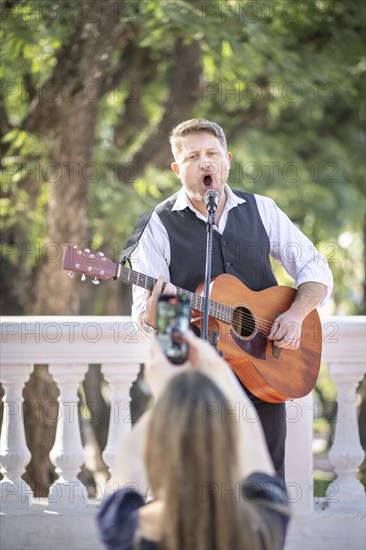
[(211, 197)]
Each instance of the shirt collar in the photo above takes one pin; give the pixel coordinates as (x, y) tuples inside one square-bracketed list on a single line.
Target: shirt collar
[(182, 201)]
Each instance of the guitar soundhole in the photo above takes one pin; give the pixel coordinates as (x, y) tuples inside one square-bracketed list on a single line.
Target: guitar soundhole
[(243, 322)]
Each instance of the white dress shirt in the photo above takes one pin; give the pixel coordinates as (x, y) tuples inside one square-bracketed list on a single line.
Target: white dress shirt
[(288, 246)]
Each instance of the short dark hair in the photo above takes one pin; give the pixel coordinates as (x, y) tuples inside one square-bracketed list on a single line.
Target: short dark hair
[(195, 126)]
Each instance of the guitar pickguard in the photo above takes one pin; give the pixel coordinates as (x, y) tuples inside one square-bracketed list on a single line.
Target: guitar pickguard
[(255, 346)]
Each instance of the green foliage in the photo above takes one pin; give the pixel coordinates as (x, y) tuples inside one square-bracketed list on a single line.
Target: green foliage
[(29, 44), (322, 480), (286, 81)]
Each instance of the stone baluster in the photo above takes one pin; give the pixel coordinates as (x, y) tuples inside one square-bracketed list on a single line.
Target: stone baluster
[(120, 376), (14, 453), (67, 454), (346, 454), (299, 456)]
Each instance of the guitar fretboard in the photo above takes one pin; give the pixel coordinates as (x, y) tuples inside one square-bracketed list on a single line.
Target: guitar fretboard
[(217, 310)]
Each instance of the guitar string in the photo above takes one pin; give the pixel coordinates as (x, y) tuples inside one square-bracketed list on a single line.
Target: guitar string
[(228, 314), (248, 322), (231, 316), (235, 315)]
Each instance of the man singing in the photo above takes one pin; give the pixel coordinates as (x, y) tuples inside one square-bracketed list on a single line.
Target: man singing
[(173, 244)]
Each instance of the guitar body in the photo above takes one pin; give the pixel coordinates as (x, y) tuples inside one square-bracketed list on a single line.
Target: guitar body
[(272, 374), (242, 320)]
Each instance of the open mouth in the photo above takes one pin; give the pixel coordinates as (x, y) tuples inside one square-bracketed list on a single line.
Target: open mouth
[(207, 180)]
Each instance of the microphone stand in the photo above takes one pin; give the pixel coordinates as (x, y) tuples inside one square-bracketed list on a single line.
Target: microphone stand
[(206, 304)]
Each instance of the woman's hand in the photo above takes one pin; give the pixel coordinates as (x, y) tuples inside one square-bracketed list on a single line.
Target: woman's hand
[(204, 357), (201, 356), (158, 369), (149, 316)]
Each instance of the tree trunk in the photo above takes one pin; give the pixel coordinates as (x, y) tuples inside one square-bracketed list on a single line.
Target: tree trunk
[(54, 293), (70, 124)]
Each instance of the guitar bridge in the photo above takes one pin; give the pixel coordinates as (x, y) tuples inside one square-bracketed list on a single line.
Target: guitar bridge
[(276, 352)]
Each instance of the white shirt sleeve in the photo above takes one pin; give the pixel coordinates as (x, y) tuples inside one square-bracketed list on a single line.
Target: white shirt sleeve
[(151, 257), (291, 248)]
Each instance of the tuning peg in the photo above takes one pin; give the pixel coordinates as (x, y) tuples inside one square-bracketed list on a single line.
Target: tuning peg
[(87, 250), (95, 281), (100, 254), (70, 274), (82, 278)]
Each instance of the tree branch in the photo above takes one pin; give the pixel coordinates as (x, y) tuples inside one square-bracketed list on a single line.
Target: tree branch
[(140, 70), (5, 125), (81, 65), (185, 87)]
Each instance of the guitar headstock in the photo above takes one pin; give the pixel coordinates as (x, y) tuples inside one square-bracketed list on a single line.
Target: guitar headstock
[(89, 264)]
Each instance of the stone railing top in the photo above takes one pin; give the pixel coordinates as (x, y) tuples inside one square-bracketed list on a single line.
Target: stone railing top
[(344, 339), (94, 339), (89, 339)]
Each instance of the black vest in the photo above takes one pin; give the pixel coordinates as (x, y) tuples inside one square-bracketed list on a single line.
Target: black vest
[(242, 250)]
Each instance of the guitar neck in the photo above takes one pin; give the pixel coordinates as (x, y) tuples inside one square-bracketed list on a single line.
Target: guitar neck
[(217, 310), (98, 266)]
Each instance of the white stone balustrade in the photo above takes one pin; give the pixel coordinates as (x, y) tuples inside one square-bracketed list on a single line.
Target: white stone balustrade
[(120, 381), (347, 368), (69, 344), (67, 453), (14, 453)]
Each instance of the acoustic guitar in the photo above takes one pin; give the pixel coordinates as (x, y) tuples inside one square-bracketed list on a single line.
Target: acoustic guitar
[(242, 320)]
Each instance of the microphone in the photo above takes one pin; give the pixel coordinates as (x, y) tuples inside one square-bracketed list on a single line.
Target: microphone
[(211, 198)]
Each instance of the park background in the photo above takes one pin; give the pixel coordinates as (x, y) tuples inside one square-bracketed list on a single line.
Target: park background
[(90, 91)]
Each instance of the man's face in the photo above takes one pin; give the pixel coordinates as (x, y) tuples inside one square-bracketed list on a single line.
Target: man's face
[(202, 164)]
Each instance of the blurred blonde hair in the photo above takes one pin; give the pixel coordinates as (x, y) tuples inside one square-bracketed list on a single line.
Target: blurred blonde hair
[(192, 466), (195, 126)]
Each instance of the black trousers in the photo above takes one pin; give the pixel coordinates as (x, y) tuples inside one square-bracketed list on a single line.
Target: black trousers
[(273, 419)]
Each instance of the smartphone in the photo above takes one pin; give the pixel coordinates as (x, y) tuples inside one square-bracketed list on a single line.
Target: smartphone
[(173, 317)]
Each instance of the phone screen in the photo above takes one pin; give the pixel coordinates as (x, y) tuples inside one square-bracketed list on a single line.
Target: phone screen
[(173, 317)]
